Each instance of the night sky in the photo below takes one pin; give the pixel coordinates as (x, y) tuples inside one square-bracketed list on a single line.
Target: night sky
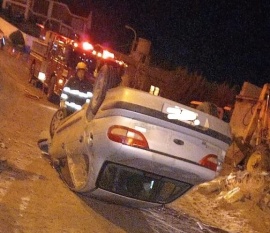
[(224, 41)]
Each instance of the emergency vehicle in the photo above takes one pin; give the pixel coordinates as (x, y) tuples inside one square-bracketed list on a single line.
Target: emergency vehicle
[(54, 59)]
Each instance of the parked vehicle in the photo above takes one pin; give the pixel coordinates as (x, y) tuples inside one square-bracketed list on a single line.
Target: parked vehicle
[(131, 147), (54, 58)]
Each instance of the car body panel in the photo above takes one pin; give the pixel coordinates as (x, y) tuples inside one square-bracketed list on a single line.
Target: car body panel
[(175, 146)]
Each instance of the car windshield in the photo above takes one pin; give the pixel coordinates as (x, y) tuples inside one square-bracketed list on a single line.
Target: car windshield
[(139, 184)]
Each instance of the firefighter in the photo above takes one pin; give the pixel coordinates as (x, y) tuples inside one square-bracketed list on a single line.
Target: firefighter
[(77, 91)]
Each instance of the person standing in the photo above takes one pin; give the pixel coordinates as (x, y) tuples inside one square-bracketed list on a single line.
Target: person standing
[(77, 91)]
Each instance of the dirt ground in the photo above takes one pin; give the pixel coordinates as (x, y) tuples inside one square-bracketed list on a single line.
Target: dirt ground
[(239, 202), (34, 199)]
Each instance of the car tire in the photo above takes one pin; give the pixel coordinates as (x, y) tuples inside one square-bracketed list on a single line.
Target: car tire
[(50, 92), (107, 78), (58, 116)]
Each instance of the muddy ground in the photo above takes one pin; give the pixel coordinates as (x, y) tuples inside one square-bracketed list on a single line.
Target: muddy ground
[(34, 199)]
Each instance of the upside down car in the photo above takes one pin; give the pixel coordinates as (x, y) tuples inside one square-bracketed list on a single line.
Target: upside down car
[(130, 147)]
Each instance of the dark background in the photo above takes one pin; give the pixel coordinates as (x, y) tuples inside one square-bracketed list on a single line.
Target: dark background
[(224, 41)]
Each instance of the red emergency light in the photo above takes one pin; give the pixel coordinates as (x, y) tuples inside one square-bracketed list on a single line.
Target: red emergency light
[(87, 46), (107, 54)]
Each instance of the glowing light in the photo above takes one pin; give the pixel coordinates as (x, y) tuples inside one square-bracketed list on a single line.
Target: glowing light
[(41, 76), (87, 46), (60, 81), (130, 134), (107, 54), (154, 90)]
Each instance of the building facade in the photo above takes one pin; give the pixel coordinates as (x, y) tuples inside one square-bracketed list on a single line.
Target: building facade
[(54, 15)]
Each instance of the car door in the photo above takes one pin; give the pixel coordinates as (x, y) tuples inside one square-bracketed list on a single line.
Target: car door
[(72, 142)]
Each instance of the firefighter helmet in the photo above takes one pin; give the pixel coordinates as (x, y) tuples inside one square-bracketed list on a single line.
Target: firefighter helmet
[(81, 65)]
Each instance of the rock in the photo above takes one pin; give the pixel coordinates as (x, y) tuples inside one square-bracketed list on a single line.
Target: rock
[(233, 195), (210, 187), (3, 145), (3, 164), (265, 202)]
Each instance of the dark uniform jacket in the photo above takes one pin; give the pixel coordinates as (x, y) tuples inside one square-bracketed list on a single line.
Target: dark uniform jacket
[(76, 93)]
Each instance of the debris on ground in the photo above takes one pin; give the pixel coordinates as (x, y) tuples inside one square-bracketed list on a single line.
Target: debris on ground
[(3, 164), (31, 95), (3, 145), (241, 186)]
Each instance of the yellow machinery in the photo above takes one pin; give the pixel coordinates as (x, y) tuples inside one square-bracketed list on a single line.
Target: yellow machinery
[(255, 143)]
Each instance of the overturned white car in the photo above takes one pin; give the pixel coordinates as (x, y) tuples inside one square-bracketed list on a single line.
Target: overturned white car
[(134, 148)]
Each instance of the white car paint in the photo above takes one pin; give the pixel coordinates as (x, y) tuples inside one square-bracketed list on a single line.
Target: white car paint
[(176, 146)]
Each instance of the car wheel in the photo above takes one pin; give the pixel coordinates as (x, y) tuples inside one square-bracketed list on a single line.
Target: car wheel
[(50, 92), (58, 116), (108, 77)]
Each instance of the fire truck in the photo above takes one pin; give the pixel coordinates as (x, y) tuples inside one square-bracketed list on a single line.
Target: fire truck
[(54, 58)]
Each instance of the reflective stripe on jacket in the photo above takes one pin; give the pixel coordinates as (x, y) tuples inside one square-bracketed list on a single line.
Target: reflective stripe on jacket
[(76, 93)]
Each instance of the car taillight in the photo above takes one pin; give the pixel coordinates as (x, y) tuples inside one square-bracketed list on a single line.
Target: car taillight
[(210, 161), (127, 136)]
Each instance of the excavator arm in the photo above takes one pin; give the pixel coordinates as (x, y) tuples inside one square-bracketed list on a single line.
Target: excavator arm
[(259, 119), (256, 152)]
